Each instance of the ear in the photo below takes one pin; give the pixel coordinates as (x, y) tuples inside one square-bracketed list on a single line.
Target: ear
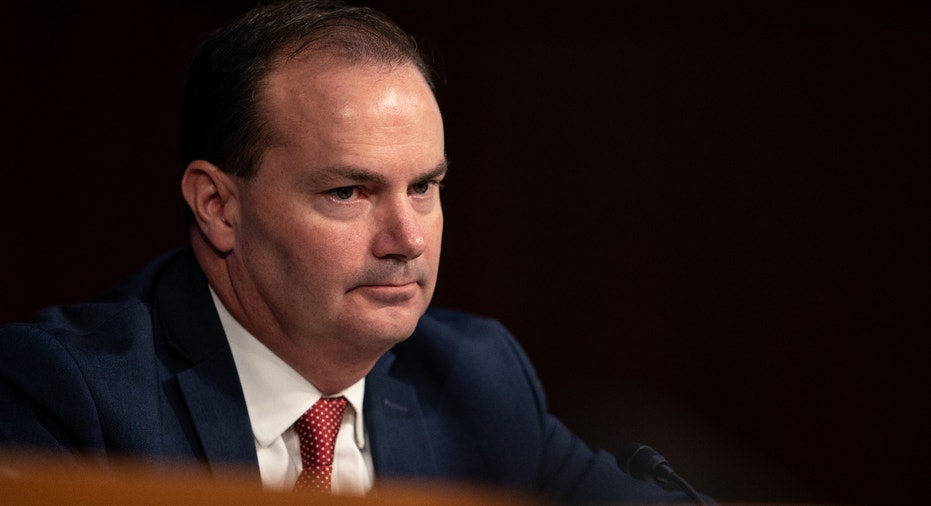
[(212, 196)]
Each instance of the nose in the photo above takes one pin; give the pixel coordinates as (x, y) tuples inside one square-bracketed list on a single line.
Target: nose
[(400, 231)]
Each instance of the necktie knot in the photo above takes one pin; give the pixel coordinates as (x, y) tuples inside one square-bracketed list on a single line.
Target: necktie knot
[(317, 430)]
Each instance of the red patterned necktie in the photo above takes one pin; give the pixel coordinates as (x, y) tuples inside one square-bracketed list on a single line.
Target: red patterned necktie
[(317, 429)]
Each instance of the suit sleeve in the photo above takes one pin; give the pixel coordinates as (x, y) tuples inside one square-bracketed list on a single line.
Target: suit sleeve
[(46, 402)]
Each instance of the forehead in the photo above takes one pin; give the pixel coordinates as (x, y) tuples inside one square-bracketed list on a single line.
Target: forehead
[(318, 90), (320, 112)]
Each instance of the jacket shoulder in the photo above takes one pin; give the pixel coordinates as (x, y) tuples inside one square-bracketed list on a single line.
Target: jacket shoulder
[(123, 308), (71, 374), (468, 351), (450, 324)]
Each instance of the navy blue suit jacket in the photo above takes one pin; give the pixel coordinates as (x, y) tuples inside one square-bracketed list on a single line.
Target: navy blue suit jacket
[(145, 370)]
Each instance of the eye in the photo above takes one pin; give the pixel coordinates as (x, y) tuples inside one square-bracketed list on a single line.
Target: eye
[(344, 192), (421, 188), (424, 187)]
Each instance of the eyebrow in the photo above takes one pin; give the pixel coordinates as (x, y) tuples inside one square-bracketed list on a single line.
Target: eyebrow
[(339, 173)]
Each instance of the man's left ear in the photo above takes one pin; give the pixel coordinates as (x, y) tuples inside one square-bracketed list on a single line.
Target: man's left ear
[(211, 195)]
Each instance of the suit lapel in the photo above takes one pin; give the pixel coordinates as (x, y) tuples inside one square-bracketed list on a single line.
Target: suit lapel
[(401, 445), (207, 375), (214, 399)]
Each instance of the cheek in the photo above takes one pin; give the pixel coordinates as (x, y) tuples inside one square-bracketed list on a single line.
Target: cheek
[(289, 253), (289, 228), (330, 254)]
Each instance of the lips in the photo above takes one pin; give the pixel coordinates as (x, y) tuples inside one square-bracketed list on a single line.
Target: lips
[(389, 293), (389, 283)]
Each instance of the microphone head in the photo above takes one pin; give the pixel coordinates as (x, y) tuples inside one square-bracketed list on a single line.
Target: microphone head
[(643, 463)]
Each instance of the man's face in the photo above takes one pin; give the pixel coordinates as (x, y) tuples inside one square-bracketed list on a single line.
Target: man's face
[(338, 234)]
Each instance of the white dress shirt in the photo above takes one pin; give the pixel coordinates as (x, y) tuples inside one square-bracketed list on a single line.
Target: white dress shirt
[(276, 396)]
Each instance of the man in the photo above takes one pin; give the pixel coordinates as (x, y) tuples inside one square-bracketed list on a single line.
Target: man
[(313, 153)]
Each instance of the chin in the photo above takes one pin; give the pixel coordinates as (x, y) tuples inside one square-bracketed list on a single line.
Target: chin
[(391, 326), (396, 331)]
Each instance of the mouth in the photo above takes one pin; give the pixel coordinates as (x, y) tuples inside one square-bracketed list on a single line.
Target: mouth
[(389, 293)]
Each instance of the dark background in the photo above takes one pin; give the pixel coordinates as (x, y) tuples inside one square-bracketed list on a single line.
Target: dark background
[(701, 219)]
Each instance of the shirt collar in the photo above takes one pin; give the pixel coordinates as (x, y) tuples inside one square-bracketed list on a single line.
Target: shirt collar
[(276, 395)]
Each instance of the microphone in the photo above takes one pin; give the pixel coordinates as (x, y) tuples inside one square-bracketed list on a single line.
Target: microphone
[(646, 464)]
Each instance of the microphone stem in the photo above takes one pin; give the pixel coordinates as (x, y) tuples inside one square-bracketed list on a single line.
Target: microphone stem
[(685, 487)]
